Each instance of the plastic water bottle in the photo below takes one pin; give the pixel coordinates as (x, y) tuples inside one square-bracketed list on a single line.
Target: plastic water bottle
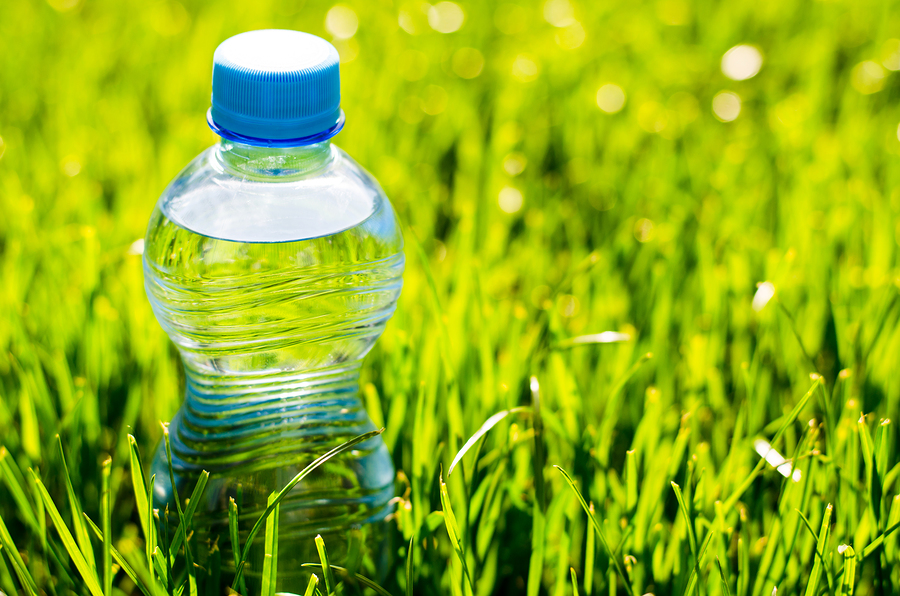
[(274, 261)]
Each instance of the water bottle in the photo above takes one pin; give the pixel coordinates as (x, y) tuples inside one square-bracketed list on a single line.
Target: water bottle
[(274, 261)]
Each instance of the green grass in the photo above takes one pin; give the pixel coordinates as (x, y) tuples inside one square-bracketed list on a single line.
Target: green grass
[(657, 222)]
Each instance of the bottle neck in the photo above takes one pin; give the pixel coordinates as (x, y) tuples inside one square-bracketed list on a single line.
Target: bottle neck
[(282, 163)]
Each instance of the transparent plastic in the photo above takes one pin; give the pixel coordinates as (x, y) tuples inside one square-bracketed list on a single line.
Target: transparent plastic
[(274, 271)]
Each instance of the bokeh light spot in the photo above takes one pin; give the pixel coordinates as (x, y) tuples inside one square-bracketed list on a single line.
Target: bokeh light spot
[(510, 19), (341, 21), (525, 68), (673, 12), (348, 49), (410, 110), (570, 36), (413, 65), (468, 63), (568, 305), (514, 163), (446, 17), (168, 17), (685, 106), (70, 166), (435, 100), (867, 77), (406, 22), (890, 54), (652, 117), (559, 13), (610, 98), (63, 5), (742, 62), (726, 106), (643, 230), (510, 199)]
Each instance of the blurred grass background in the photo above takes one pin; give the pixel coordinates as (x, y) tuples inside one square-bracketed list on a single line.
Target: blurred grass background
[(546, 209)]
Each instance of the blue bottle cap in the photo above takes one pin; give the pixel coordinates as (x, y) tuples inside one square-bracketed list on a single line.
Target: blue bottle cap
[(276, 87)]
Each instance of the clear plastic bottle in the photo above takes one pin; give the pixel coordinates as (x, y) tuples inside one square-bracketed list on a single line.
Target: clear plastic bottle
[(274, 261)]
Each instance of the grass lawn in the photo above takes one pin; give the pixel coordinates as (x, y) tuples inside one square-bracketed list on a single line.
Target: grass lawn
[(665, 295)]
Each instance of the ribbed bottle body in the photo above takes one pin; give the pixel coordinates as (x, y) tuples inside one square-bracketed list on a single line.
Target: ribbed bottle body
[(274, 275)]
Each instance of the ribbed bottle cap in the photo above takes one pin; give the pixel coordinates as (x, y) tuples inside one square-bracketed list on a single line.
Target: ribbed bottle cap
[(276, 87)]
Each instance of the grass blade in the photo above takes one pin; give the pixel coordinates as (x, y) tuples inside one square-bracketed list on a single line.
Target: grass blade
[(150, 544), (233, 534), (590, 553), (326, 565), (873, 478), (809, 528), (162, 570), (346, 573), (14, 484), (848, 577), (487, 426), (631, 494), (283, 493), (313, 586), (78, 525), (189, 511), (724, 579), (453, 531), (87, 573), (15, 558), (409, 565), (106, 520), (270, 559), (539, 509), (117, 556), (692, 539), (574, 581), (192, 578), (612, 557), (140, 488), (789, 419), (816, 574)]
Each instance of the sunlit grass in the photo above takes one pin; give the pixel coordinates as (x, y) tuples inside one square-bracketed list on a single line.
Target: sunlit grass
[(581, 184)]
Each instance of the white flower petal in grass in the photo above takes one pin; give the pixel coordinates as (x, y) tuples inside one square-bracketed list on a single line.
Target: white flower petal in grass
[(776, 460), (610, 98), (446, 17), (726, 106), (341, 21), (742, 62), (764, 292), (605, 337), (510, 199)]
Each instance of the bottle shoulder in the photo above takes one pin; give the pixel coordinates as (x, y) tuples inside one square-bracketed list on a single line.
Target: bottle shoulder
[(212, 199)]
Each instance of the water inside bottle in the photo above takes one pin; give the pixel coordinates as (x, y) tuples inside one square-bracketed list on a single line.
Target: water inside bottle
[(274, 273)]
